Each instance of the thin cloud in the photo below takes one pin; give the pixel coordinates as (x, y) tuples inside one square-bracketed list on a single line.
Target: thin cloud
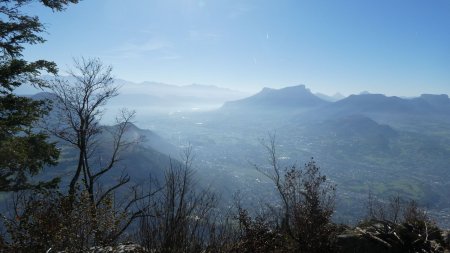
[(148, 46), (239, 10), (195, 35), (170, 56), (156, 47)]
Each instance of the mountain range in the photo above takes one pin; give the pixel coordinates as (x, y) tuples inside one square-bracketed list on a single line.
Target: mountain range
[(161, 97), (296, 96), (299, 96), (365, 143), (147, 155)]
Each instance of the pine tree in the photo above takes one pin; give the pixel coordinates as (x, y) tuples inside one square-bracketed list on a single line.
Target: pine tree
[(24, 150)]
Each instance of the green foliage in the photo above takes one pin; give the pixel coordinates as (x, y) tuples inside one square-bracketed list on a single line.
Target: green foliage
[(24, 151), (15, 72)]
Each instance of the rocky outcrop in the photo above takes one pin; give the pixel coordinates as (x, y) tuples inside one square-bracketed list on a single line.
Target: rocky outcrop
[(386, 237), (124, 248), (121, 248)]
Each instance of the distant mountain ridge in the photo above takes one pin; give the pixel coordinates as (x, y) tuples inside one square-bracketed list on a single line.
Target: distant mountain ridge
[(438, 101), (300, 96), (158, 89), (365, 142), (147, 154), (294, 96), (336, 97), (161, 97), (379, 103)]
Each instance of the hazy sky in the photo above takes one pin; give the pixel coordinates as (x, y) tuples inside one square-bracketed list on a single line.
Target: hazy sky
[(397, 47)]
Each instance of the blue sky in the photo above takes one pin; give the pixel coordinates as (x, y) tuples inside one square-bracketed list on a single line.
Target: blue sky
[(396, 47)]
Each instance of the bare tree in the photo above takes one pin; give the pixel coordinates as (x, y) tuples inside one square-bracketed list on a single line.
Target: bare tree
[(275, 174), (307, 202), (181, 217), (394, 209), (80, 100)]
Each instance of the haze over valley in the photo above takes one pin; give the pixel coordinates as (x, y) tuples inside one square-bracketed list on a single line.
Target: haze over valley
[(200, 126), (365, 143)]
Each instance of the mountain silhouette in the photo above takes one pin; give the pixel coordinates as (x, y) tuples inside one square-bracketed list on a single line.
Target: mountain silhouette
[(378, 103), (294, 96)]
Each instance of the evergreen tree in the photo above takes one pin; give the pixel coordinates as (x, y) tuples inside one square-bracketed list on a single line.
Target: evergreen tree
[(24, 151)]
